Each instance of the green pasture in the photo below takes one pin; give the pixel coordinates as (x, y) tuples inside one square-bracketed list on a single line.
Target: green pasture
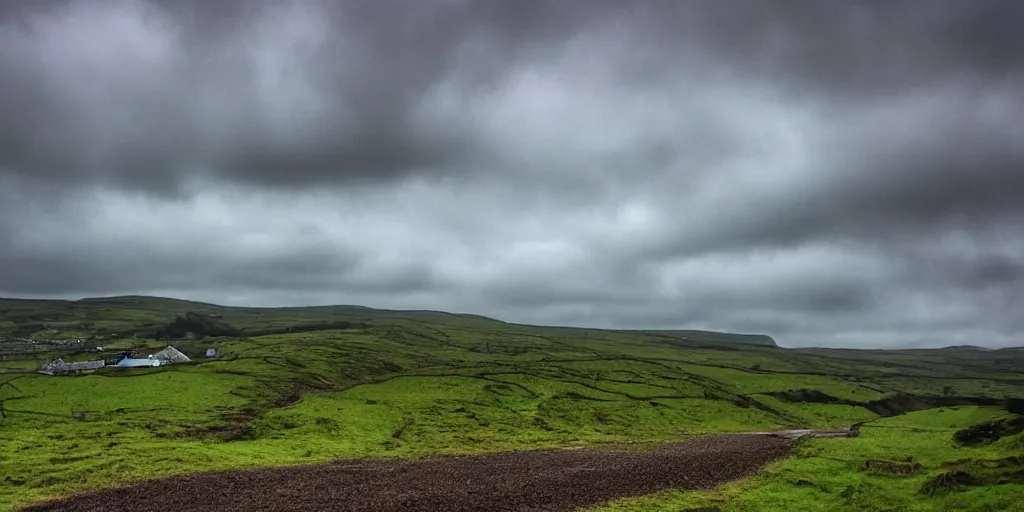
[(307, 385), (890, 467)]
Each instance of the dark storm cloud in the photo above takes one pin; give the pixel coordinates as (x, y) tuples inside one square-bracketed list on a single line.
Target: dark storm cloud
[(863, 47), (277, 100), (842, 173), (198, 261), (146, 94)]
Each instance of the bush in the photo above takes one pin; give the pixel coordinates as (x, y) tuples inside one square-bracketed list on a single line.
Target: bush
[(1015, 405), (989, 431), (198, 325), (947, 482)]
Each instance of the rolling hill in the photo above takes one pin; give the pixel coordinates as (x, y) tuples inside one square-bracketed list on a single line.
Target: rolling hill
[(304, 385)]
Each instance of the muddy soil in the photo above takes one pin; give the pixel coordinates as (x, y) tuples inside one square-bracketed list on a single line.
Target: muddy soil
[(552, 480)]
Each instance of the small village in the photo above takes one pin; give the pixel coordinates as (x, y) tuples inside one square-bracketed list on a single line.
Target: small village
[(127, 359)]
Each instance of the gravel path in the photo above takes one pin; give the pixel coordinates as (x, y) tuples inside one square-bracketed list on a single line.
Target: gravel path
[(553, 480)]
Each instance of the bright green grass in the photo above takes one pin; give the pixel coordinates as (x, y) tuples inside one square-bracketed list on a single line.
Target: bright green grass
[(414, 384), (829, 475), (970, 387), (18, 365), (821, 415), (177, 393), (747, 382), (130, 430), (408, 416), (454, 414)]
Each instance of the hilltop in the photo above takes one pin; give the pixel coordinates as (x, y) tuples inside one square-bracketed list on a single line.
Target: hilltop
[(305, 385), (144, 316)]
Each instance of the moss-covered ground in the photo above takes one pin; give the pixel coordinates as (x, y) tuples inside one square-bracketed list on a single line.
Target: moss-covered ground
[(305, 385)]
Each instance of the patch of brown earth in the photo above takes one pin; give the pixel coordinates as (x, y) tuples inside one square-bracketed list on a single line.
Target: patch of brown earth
[(553, 480)]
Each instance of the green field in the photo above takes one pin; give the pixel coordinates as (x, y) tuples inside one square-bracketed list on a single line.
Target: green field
[(901, 463), (305, 385)]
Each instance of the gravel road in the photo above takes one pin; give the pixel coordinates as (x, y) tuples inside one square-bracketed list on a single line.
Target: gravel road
[(552, 480)]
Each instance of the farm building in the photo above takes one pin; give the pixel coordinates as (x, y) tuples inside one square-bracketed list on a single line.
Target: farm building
[(84, 365), (168, 355), (59, 366), (52, 367), (171, 355), (129, 362)]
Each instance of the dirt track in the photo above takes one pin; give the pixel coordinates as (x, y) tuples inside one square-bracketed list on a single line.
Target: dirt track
[(555, 480)]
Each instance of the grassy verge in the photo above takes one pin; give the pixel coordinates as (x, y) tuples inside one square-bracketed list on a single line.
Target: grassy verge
[(906, 463)]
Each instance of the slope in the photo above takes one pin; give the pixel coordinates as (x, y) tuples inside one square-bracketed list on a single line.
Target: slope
[(304, 385)]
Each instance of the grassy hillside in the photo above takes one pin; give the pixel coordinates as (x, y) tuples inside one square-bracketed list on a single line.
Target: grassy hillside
[(302, 385), (903, 463)]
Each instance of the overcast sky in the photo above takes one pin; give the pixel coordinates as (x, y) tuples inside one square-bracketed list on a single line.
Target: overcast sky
[(831, 173)]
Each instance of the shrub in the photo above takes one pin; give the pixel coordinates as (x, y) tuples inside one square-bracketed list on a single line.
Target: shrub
[(989, 431)]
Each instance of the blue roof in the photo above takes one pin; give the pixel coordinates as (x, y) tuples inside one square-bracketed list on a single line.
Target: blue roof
[(133, 363)]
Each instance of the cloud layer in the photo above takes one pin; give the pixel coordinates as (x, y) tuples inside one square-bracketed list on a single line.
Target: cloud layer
[(830, 173)]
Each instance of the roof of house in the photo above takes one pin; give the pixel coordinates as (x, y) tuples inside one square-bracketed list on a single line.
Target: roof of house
[(171, 354), (133, 363), (84, 365), (59, 365)]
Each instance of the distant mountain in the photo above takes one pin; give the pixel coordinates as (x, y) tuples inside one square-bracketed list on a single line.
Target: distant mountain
[(720, 337), (167, 318)]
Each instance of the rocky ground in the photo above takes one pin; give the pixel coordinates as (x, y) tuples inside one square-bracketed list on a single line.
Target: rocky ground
[(553, 480)]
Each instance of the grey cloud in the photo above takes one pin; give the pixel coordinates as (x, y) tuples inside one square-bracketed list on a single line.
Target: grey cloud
[(997, 269), (104, 271), (883, 171), (838, 173), (291, 93), (115, 91), (867, 47), (281, 94), (93, 243), (110, 267)]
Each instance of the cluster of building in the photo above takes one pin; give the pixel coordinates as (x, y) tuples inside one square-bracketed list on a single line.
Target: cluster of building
[(59, 366), (168, 355)]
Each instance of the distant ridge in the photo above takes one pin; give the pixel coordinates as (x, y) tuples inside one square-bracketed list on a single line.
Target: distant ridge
[(171, 318), (750, 339)]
